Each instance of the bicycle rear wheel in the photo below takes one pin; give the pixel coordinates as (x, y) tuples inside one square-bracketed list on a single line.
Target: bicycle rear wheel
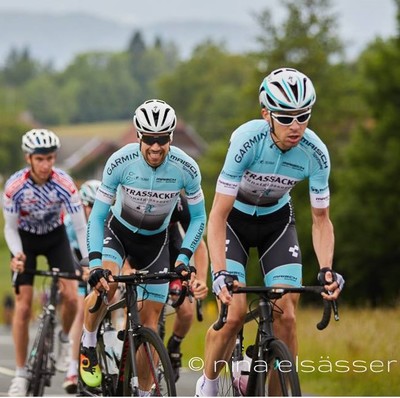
[(155, 373), (38, 370), (281, 377)]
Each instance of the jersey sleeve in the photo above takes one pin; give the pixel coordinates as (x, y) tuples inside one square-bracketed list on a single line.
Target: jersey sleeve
[(11, 233), (196, 207), (105, 197), (237, 159), (319, 179), (11, 215)]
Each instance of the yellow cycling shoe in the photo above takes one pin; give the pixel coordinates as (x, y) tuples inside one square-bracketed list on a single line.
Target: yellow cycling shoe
[(89, 367)]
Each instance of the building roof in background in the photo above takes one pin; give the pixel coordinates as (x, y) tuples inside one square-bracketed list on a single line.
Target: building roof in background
[(79, 150)]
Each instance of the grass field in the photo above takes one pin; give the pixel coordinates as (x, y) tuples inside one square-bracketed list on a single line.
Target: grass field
[(357, 356), (112, 129)]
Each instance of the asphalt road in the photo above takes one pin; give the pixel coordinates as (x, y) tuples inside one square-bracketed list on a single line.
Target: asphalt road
[(185, 385)]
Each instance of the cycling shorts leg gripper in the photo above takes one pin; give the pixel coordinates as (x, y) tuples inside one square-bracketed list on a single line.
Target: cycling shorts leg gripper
[(153, 292), (288, 274), (236, 254), (110, 254), (235, 268)]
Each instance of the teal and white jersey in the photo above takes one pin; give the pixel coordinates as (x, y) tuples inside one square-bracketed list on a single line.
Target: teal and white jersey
[(142, 198), (261, 175)]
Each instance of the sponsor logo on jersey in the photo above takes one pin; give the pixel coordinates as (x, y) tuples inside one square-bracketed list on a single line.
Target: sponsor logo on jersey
[(248, 145), (319, 155), (121, 160), (277, 179), (187, 165), (150, 194)]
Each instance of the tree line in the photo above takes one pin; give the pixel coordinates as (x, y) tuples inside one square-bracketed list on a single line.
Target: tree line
[(215, 91)]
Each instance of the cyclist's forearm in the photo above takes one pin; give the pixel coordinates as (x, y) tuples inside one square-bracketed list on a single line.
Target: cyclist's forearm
[(323, 241), (200, 258)]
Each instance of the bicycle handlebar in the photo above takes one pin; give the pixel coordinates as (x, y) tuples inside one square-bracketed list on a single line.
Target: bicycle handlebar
[(278, 292), (53, 273), (141, 278)]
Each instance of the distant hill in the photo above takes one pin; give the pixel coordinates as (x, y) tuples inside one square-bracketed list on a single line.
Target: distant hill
[(58, 38)]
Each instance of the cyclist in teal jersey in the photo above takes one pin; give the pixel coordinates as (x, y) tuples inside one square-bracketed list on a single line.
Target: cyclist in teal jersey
[(252, 208), (140, 187)]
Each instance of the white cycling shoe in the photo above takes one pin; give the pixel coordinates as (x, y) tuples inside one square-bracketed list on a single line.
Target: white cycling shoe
[(64, 354), (204, 389), (18, 387)]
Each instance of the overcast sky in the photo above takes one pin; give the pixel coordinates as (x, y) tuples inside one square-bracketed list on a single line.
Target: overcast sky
[(359, 20)]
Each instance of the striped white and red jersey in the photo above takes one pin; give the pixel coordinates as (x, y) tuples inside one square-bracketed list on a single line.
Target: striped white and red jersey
[(39, 209)]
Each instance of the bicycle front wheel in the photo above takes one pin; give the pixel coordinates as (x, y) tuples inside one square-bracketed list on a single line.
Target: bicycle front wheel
[(155, 375), (281, 377)]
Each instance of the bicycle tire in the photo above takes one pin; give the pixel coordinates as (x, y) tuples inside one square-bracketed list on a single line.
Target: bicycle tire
[(150, 346), (38, 368), (289, 384), (226, 385)]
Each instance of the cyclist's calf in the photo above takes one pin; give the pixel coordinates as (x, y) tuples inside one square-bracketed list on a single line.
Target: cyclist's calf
[(285, 320)]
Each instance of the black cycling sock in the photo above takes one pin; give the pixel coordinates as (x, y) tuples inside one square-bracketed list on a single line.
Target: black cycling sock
[(174, 343)]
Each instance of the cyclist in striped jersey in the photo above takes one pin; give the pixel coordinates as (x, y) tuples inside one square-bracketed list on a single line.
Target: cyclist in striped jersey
[(35, 201)]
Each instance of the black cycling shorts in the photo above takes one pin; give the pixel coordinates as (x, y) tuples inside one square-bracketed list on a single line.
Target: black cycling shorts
[(275, 237), (53, 245)]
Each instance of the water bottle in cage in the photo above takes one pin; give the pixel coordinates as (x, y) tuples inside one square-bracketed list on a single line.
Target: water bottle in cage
[(241, 373)]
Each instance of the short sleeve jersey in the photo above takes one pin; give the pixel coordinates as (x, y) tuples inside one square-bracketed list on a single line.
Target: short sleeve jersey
[(261, 175), (41, 208)]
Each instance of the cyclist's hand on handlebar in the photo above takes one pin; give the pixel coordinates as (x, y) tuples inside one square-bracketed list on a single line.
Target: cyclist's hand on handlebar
[(332, 281), (220, 281), (17, 263), (99, 279), (199, 289), (185, 270)]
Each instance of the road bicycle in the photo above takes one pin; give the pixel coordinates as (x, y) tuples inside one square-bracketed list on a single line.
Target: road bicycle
[(174, 301), (140, 345), (270, 357), (41, 360)]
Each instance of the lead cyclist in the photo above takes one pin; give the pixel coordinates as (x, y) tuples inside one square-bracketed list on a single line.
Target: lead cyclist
[(252, 207), (139, 190)]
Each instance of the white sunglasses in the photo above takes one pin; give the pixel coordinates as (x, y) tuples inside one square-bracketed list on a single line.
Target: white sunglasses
[(287, 120)]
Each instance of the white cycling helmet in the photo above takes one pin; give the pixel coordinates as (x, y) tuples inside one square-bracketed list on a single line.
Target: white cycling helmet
[(40, 141), (154, 117), (88, 191), (287, 89)]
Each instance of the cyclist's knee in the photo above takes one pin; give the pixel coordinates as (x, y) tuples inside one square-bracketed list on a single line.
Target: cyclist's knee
[(70, 299), (286, 320), (23, 310), (233, 324), (185, 315)]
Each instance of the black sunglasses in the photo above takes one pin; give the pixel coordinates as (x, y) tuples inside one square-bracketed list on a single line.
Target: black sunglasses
[(152, 139), (287, 120)]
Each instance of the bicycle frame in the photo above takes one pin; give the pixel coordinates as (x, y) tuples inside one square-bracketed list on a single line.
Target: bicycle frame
[(41, 359), (135, 333), (266, 343)]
